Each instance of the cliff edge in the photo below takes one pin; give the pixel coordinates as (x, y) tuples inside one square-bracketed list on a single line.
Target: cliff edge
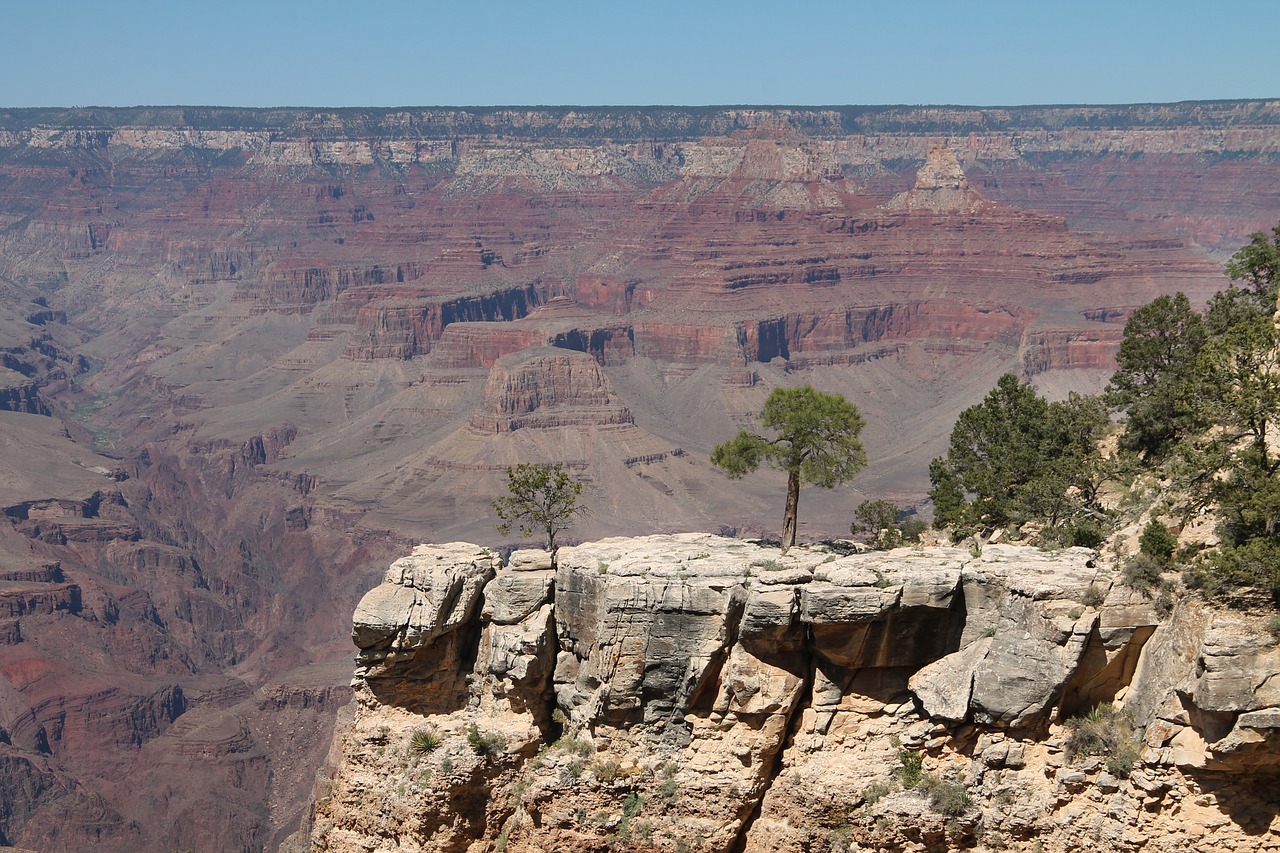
[(691, 692)]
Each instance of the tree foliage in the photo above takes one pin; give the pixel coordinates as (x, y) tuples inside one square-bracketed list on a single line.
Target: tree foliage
[(1257, 264), (1200, 393), (1015, 457), (815, 441), (540, 499), (1156, 374), (878, 519)]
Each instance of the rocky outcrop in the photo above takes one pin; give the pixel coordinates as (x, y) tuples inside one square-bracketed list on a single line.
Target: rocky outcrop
[(543, 388), (941, 186), (694, 692)]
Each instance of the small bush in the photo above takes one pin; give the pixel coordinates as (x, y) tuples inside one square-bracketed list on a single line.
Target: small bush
[(1093, 597), (486, 744), (1273, 626), (632, 803), (910, 772), (669, 790), (913, 528), (949, 798), (1141, 572), (1108, 733), (1157, 542), (423, 741), (607, 772), (573, 746), (1085, 533), (874, 792), (572, 771)]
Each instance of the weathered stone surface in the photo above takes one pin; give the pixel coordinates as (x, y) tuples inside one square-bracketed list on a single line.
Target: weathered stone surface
[(423, 596), (747, 713), (945, 687)]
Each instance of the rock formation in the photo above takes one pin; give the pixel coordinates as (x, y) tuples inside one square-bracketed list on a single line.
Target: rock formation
[(689, 692)]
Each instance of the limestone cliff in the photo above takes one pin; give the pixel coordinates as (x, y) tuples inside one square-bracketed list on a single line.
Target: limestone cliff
[(690, 692)]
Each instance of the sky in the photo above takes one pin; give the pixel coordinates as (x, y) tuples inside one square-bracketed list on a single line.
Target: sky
[(260, 53)]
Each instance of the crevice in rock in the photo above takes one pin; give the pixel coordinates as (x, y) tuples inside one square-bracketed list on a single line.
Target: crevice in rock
[(785, 743), (703, 695)]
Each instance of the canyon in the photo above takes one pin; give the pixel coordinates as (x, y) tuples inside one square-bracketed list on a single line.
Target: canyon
[(248, 357)]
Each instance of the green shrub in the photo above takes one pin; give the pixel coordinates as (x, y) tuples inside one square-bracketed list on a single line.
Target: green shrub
[(913, 527), (1273, 626), (423, 741), (1157, 542), (1141, 572), (910, 771), (1243, 574), (632, 803), (1085, 533), (949, 798), (486, 744), (1093, 597), (1108, 733)]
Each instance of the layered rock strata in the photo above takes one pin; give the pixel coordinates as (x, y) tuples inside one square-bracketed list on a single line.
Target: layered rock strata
[(690, 692)]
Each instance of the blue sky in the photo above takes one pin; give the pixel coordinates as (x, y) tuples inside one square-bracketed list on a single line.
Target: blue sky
[(486, 52)]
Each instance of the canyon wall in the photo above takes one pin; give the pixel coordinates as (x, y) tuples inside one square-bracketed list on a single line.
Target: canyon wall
[(691, 692)]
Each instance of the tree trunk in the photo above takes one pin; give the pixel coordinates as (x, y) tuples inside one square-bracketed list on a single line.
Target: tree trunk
[(789, 515)]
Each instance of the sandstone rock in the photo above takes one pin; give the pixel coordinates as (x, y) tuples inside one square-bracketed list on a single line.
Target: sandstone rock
[(422, 596), (773, 705), (945, 687)]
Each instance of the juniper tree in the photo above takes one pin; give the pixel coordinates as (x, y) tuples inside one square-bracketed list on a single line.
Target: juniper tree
[(815, 441), (540, 498)]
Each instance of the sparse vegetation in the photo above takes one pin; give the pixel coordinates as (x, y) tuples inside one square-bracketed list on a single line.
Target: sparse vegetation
[(1108, 733), (910, 772), (608, 771), (486, 744), (574, 746), (668, 789), (632, 803), (1141, 572), (948, 798), (1093, 596), (876, 791), (423, 741)]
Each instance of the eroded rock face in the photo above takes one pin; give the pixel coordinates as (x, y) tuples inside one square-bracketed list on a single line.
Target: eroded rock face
[(694, 691)]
